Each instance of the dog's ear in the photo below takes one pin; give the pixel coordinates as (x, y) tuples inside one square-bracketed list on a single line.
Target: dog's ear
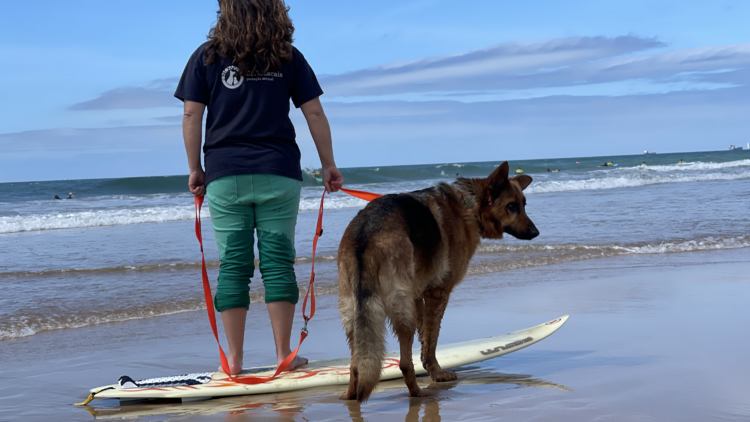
[(500, 176), (524, 181), (497, 180)]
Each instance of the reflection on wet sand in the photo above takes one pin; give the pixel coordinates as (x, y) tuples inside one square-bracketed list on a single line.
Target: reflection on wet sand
[(288, 406)]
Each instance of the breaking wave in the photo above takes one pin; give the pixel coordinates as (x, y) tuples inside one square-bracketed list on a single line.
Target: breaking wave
[(634, 179), (692, 166), (310, 202), (105, 217)]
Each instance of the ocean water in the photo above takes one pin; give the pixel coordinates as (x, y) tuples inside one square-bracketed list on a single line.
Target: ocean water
[(125, 248)]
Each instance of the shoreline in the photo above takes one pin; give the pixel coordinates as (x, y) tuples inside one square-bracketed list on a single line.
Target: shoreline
[(635, 348), (512, 257)]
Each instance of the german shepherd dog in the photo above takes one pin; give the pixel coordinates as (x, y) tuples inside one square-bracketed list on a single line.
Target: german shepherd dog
[(401, 257)]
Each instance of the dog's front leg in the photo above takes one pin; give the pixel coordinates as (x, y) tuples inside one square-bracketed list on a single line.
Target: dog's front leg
[(435, 302)]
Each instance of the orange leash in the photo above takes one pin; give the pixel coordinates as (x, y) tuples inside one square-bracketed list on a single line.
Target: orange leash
[(367, 196)]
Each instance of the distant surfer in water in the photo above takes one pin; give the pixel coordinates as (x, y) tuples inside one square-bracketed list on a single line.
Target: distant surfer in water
[(70, 195), (57, 197), (246, 73)]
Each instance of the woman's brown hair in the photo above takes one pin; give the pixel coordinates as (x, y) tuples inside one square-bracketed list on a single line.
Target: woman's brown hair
[(256, 34)]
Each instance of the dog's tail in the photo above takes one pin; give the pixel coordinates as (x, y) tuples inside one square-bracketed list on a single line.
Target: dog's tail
[(369, 335)]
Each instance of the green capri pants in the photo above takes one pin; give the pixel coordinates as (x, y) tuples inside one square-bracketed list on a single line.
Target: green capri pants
[(239, 206)]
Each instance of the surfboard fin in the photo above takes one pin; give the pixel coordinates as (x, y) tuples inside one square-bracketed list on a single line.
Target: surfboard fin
[(127, 382)]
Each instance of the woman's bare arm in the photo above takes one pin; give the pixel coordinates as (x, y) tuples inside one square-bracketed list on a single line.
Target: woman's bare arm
[(192, 133), (321, 134)]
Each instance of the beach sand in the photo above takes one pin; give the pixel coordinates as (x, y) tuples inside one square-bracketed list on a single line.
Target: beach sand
[(650, 338)]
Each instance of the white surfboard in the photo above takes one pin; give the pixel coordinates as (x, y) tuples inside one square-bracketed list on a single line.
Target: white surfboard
[(324, 372)]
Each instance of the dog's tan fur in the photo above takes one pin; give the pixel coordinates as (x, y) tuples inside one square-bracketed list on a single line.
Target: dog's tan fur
[(401, 257)]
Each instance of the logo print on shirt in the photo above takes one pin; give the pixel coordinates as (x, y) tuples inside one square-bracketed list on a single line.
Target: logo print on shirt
[(231, 77)]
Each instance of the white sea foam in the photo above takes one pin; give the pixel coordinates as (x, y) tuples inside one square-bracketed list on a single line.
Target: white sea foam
[(123, 210), (692, 166), (563, 253), (706, 244), (119, 215), (332, 203), (633, 179), (104, 217), (18, 327), (139, 215)]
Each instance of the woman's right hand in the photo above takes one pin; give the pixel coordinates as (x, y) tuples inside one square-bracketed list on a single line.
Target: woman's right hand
[(332, 178), (196, 182)]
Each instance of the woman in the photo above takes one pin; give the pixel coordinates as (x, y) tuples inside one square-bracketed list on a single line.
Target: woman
[(246, 74)]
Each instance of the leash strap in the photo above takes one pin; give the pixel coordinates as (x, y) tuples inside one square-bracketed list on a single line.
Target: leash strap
[(367, 196), (212, 312)]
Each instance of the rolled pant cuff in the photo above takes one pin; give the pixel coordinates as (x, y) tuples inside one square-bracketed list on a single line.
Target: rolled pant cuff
[(222, 302), (283, 294)]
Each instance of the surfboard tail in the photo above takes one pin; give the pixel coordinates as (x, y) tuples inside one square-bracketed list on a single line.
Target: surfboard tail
[(368, 348)]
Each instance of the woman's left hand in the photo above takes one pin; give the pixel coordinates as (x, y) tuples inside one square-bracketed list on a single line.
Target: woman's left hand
[(332, 178)]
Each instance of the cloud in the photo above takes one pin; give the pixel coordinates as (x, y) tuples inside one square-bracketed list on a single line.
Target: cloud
[(170, 119), (398, 132), (70, 142), (581, 66), (567, 62), (56, 154), (156, 94)]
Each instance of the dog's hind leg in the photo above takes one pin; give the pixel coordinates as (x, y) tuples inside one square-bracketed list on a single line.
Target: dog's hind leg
[(347, 305), (351, 392), (419, 306), (403, 313), (435, 301)]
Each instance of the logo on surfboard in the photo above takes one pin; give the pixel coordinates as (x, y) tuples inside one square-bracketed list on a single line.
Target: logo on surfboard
[(506, 347)]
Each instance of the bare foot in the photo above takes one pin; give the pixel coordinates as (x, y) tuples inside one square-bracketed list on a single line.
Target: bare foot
[(235, 366), (296, 362)]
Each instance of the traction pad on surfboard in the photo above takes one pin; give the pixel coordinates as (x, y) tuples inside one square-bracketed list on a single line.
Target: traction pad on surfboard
[(187, 379)]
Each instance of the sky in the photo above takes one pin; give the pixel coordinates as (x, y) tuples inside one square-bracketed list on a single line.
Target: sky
[(87, 85)]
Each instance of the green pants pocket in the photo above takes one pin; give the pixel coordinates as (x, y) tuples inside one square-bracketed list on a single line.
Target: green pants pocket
[(223, 191)]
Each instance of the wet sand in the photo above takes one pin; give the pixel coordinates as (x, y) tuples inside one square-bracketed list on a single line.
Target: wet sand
[(650, 338)]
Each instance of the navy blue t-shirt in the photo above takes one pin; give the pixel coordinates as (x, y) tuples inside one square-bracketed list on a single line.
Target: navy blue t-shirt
[(248, 130)]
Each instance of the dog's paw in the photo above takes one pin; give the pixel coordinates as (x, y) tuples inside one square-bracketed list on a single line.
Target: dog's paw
[(348, 396), (420, 393), (445, 376)]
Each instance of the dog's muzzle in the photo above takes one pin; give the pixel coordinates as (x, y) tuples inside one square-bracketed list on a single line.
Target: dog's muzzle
[(528, 234)]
